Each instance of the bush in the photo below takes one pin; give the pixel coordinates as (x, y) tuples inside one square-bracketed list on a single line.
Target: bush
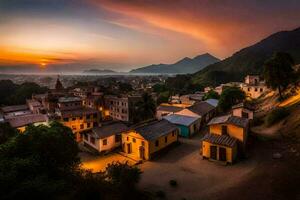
[(257, 122), (276, 115), (173, 183)]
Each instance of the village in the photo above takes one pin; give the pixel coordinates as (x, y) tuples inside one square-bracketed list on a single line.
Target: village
[(189, 135)]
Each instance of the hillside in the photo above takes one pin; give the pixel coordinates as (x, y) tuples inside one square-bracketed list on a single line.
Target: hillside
[(250, 60), (98, 71), (183, 66)]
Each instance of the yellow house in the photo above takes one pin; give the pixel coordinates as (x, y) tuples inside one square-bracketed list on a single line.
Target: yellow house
[(145, 141), (226, 139)]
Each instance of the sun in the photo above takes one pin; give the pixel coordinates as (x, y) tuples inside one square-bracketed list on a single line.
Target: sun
[(43, 65)]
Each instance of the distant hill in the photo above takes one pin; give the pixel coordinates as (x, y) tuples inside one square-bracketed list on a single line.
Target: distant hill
[(99, 71), (250, 60), (183, 66)]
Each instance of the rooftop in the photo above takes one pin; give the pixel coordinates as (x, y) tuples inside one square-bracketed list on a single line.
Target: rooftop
[(228, 119), (155, 129), (224, 140), (201, 108), (181, 119), (213, 102), (169, 108), (68, 99), (27, 120), (107, 130), (77, 112), (14, 108), (243, 105)]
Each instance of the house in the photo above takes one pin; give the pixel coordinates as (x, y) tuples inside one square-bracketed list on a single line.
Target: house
[(243, 110), (14, 111), (120, 107), (166, 109), (253, 86), (72, 114), (21, 122), (203, 109), (147, 140), (226, 139), (188, 125), (105, 138)]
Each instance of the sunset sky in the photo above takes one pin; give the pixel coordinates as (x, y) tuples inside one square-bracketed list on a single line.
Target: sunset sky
[(125, 34)]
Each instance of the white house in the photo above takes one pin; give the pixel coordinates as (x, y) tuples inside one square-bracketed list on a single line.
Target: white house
[(243, 110), (105, 138)]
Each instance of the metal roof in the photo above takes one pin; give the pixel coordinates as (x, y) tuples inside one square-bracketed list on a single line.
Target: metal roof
[(169, 108), (228, 119), (181, 119), (213, 102), (14, 108), (201, 108), (224, 140), (27, 119), (156, 129)]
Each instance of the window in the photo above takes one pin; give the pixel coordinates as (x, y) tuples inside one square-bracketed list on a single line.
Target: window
[(81, 126), (248, 89), (66, 119), (80, 117), (92, 140), (166, 139), (224, 130), (143, 143), (156, 143), (127, 138), (88, 125), (73, 127), (133, 140), (104, 142), (260, 89), (88, 116), (255, 90), (74, 118), (95, 115)]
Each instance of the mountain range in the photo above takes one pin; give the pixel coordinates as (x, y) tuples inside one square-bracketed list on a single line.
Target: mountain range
[(183, 66), (250, 60)]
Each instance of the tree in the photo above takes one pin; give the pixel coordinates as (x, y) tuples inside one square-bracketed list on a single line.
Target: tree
[(278, 71), (144, 109), (229, 97), (38, 163), (125, 87), (211, 95), (6, 132)]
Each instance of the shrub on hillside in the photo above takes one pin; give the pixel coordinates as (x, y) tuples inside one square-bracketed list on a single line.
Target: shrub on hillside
[(276, 115)]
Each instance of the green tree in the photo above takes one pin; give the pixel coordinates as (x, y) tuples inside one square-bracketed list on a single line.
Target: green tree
[(211, 95), (144, 109), (38, 163), (229, 97), (6, 132), (278, 71), (125, 87)]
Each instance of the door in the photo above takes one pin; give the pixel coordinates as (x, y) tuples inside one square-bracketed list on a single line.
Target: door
[(213, 152), (142, 153), (224, 130), (128, 148), (222, 154)]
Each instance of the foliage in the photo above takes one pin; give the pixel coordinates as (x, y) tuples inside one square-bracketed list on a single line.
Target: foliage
[(173, 183), (43, 163), (211, 95), (229, 97), (159, 88), (278, 71), (276, 115), (11, 94), (144, 109), (6, 132), (163, 97), (38, 162)]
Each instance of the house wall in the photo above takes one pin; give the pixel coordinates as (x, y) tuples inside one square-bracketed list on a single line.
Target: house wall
[(184, 131), (231, 152), (149, 146), (254, 91), (111, 143), (232, 130), (96, 145), (238, 112)]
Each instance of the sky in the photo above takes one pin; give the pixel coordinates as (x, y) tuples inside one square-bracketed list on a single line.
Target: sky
[(121, 35)]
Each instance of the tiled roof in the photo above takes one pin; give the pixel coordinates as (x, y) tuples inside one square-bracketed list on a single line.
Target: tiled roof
[(107, 130), (169, 108), (201, 108), (27, 119), (224, 140), (181, 119), (6, 109), (228, 119), (156, 129)]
